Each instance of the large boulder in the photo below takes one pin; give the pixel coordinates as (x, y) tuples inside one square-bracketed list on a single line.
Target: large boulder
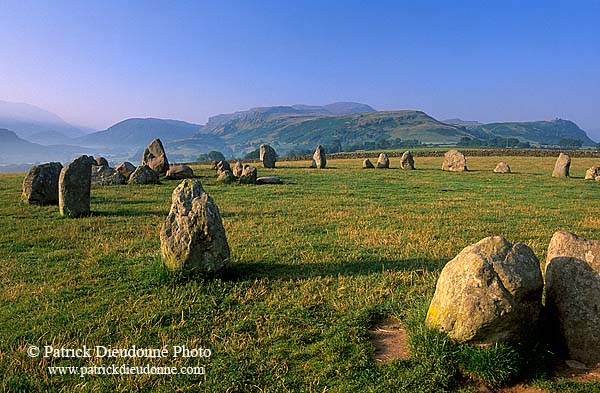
[(143, 175), (126, 169), (367, 164), (101, 161), (561, 168), (383, 161), (268, 180), (238, 168), (105, 176), (407, 161), (573, 295), (268, 156), (454, 161), (179, 172), (40, 186), (74, 187), (155, 157), (226, 177), (248, 175), (192, 239), (490, 292), (592, 173), (502, 167), (319, 158)]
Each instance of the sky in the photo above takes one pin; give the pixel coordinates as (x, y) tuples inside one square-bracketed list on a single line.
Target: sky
[(95, 63)]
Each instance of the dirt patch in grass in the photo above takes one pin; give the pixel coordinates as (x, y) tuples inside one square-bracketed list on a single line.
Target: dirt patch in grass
[(576, 372), (390, 341)]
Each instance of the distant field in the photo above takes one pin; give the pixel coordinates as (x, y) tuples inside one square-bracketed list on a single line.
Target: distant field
[(318, 261)]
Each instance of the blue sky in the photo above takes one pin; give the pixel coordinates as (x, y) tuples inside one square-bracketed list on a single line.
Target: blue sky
[(98, 62)]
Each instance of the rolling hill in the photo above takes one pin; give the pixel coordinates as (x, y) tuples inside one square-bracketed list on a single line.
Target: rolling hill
[(15, 150)]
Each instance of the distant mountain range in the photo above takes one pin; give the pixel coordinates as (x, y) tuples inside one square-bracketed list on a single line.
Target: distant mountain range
[(31, 134)]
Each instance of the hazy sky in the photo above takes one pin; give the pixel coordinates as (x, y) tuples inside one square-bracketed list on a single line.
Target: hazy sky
[(98, 62)]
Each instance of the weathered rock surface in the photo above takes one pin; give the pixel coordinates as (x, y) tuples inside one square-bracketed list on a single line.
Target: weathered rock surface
[(268, 180), (407, 161), (193, 238), (155, 157), (126, 169), (319, 158), (561, 168), (367, 164), (238, 168), (101, 161), (592, 173), (573, 295), (502, 167), (143, 175), (454, 161), (105, 176), (179, 171), (223, 166), (490, 292), (74, 187), (268, 156), (383, 161), (226, 177), (40, 186), (249, 175)]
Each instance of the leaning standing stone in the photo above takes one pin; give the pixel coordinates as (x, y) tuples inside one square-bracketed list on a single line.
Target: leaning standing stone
[(490, 292), (126, 169), (383, 161), (592, 173), (192, 239), (248, 175), (407, 161), (40, 186), (268, 156), (143, 175), (367, 164), (155, 157), (573, 295), (74, 187), (319, 158), (454, 161), (502, 167), (238, 168), (561, 168)]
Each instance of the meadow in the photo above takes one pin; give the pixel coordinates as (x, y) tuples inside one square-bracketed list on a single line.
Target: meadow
[(317, 261)]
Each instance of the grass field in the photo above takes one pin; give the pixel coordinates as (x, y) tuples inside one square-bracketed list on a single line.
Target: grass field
[(318, 261)]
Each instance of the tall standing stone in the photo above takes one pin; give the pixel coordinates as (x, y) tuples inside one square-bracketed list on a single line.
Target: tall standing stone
[(561, 168), (407, 161), (268, 156), (238, 168), (573, 295), (193, 238), (454, 161), (40, 186), (319, 157), (490, 292), (383, 161), (74, 187), (155, 157)]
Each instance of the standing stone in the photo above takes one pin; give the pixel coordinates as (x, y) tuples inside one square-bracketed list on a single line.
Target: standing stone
[(105, 176), (126, 169), (319, 157), (248, 175), (268, 156), (502, 167), (407, 161), (592, 173), (101, 161), (238, 168), (143, 175), (383, 161), (490, 292), (454, 161), (561, 168), (179, 171), (40, 186), (192, 239), (74, 187), (573, 295), (155, 157), (223, 166), (226, 177), (367, 164)]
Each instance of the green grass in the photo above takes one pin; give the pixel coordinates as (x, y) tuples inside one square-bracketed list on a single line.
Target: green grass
[(318, 261)]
